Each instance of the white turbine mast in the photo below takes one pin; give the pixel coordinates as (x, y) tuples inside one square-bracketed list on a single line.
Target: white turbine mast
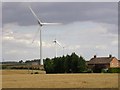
[(57, 43), (40, 30)]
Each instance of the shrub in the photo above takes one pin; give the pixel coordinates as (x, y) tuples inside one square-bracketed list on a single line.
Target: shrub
[(89, 71), (4, 67), (104, 70), (114, 70)]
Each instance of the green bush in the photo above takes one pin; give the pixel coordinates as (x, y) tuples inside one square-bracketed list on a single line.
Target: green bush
[(88, 71), (4, 67), (104, 70), (114, 70)]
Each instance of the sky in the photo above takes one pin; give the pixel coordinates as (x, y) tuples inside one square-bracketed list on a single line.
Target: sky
[(88, 29)]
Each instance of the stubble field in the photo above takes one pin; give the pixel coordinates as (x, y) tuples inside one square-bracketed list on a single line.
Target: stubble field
[(21, 79)]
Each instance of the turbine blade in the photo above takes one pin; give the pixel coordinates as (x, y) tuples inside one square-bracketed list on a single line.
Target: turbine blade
[(51, 23), (58, 43), (35, 36), (39, 21)]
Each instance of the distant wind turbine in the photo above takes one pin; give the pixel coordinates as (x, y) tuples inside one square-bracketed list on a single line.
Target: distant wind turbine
[(57, 43), (40, 25)]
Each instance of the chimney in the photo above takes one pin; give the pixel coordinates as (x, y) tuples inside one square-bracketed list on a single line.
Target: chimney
[(95, 56), (110, 55)]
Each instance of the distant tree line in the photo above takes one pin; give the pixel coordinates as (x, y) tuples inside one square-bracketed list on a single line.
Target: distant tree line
[(65, 64)]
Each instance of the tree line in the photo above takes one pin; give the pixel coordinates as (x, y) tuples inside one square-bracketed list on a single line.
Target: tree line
[(65, 64)]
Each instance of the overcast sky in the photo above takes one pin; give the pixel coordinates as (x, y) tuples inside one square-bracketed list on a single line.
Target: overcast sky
[(87, 29)]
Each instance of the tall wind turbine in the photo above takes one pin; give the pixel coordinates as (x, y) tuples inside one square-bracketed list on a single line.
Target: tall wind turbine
[(57, 43), (40, 25)]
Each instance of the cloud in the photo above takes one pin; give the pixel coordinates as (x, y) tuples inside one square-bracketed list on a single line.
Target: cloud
[(73, 48), (103, 47), (64, 12), (24, 38), (87, 29), (86, 38), (115, 42)]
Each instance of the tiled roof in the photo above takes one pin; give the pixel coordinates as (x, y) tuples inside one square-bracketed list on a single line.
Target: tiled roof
[(100, 60)]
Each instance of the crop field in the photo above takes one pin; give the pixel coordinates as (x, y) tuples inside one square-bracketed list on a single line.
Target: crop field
[(23, 79)]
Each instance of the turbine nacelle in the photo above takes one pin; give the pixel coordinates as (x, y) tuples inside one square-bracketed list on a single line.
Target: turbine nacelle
[(40, 24), (56, 42)]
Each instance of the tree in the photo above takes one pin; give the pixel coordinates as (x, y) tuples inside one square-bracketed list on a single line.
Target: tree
[(48, 65), (66, 64), (81, 64), (21, 61), (74, 62)]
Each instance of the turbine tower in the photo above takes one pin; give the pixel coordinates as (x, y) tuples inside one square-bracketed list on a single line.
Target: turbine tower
[(40, 29)]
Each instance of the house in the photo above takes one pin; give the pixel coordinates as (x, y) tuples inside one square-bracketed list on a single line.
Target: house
[(100, 63)]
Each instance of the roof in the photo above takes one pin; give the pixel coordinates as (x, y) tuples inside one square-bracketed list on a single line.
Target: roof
[(100, 60)]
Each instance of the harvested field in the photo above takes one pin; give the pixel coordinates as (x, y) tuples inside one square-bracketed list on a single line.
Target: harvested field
[(21, 79)]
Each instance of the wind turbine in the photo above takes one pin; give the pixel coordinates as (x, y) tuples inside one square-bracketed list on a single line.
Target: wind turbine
[(40, 23), (57, 43)]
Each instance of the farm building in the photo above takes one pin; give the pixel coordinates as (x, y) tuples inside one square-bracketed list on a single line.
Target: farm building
[(100, 63)]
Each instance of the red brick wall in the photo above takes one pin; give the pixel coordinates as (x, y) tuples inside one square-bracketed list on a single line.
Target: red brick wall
[(114, 63)]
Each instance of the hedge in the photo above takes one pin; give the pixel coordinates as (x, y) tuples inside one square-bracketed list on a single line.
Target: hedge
[(114, 70)]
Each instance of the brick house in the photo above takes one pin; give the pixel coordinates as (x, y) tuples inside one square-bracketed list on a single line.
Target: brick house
[(103, 62)]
